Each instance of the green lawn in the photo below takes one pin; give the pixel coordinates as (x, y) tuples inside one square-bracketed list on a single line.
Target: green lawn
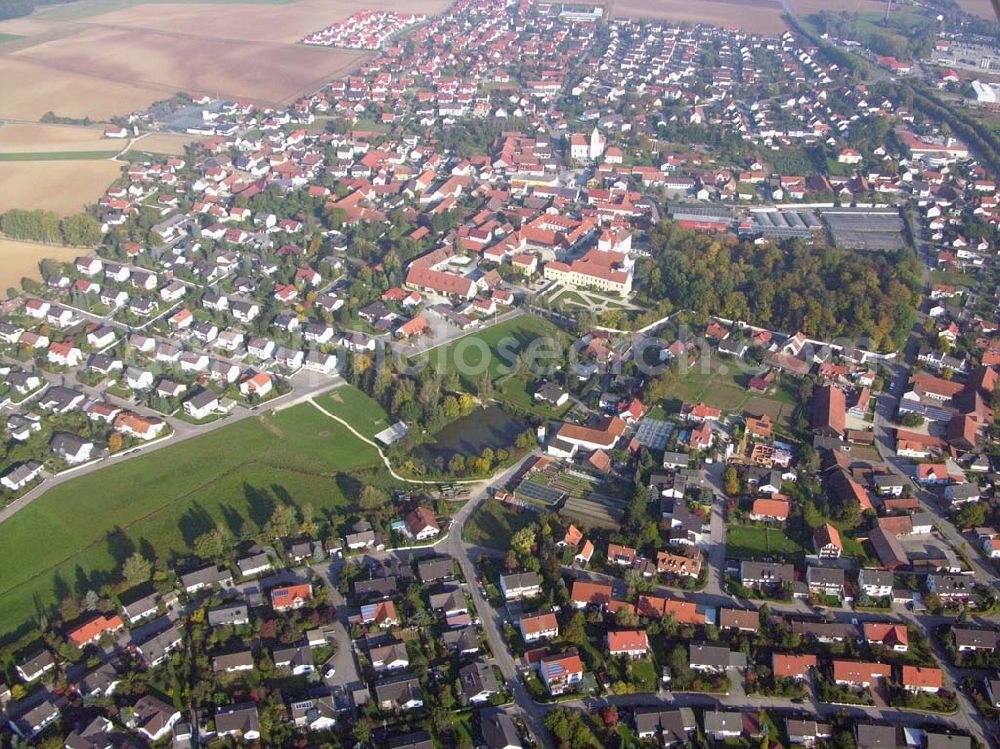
[(493, 523), (496, 349), (10, 37), (952, 278), (75, 536), (749, 542), (59, 156), (519, 392), (357, 408), (722, 386), (570, 297), (643, 675)]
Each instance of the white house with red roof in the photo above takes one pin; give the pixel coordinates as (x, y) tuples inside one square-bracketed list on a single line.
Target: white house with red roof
[(632, 643)]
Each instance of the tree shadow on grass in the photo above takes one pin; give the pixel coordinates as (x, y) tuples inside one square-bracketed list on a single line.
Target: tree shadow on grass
[(234, 521), (147, 549), (282, 495), (93, 580), (60, 588), (120, 546), (350, 486), (260, 505), (195, 522)]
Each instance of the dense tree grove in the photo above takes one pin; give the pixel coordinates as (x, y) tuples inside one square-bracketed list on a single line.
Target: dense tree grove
[(826, 293), (46, 226), (18, 8)]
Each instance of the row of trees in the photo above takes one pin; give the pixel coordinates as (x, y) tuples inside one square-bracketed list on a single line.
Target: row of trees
[(80, 229)]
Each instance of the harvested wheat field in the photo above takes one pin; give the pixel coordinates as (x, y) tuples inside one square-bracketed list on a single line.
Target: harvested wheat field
[(254, 22), (26, 26), (169, 63), (28, 91), (169, 144), (808, 7), (20, 259), (22, 138), (755, 16), (62, 186)]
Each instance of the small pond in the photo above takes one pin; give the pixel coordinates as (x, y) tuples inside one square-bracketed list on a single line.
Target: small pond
[(468, 436)]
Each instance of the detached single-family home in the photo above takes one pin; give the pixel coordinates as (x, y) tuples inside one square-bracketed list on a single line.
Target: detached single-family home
[(560, 673), (535, 627), (631, 643), (520, 585)]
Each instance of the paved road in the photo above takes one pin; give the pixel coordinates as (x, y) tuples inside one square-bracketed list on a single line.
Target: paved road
[(492, 621)]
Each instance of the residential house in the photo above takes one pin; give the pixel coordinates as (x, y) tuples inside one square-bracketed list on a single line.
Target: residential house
[(889, 635), (399, 693), (631, 643), (789, 666), (535, 627), (240, 721), (478, 682), (826, 542), (766, 576), (918, 679), (297, 659), (875, 583), (229, 615), (560, 673), (826, 580), (422, 524), (498, 731), (709, 658), (860, 674), (520, 585)]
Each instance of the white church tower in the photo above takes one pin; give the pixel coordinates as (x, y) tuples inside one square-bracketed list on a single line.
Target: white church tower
[(596, 145)]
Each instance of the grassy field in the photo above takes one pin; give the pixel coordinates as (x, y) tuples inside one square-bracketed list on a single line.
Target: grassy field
[(952, 278), (163, 501), (493, 523), (10, 37), (495, 349), (519, 392), (722, 387), (352, 405), (748, 542)]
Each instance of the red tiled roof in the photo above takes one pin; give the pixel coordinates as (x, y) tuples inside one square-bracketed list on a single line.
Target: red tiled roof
[(860, 671), (290, 595), (787, 666), (628, 641), (92, 630), (915, 676)]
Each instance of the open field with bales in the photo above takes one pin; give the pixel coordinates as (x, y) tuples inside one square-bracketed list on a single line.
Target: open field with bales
[(63, 186), (759, 16), (232, 477), (20, 259)]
